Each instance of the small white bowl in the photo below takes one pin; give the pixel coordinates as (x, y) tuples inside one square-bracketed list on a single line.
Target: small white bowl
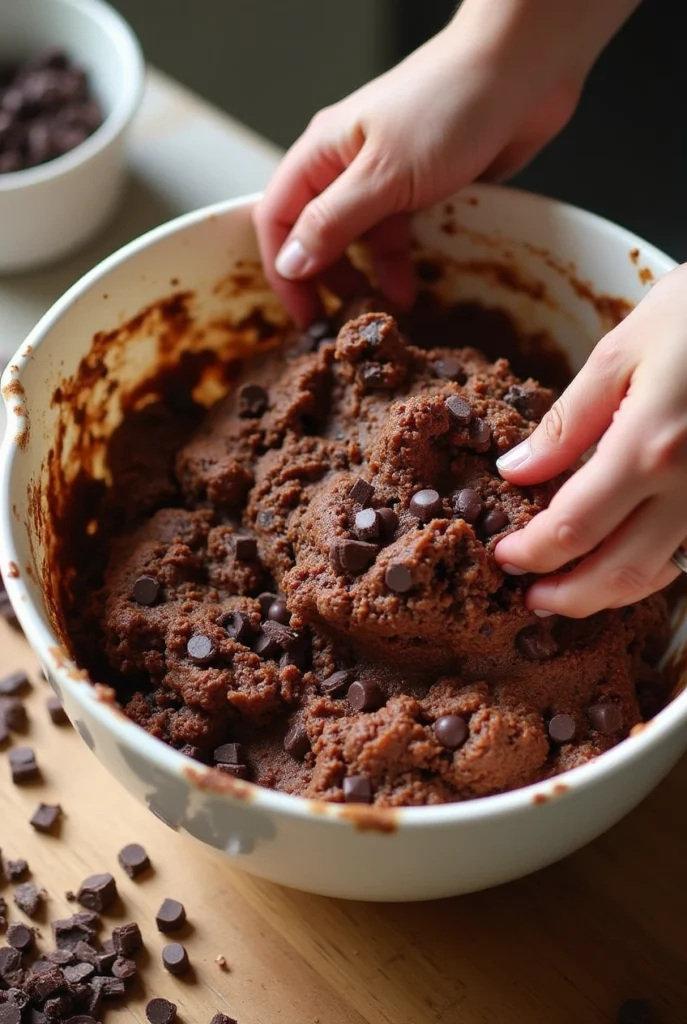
[(50, 210), (510, 249)]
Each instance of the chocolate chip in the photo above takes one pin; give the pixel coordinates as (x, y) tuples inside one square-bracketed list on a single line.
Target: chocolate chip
[(58, 715), (562, 728), (635, 1011), (467, 504), (426, 505), (605, 718), (365, 695), (252, 400), (79, 972), (266, 600), (111, 988), (239, 626), (459, 410), (14, 713), (388, 522), (9, 1012), (13, 684), (245, 547), (70, 932), (278, 612), (221, 1018), (20, 937), (46, 817), (451, 731), (97, 892), (133, 859), (10, 962), (4, 731), (127, 939), (361, 492), (237, 771), (201, 649), (399, 578), (337, 683), (28, 898), (170, 916), (367, 524), (146, 590), (16, 869), (161, 1011), (357, 789), (352, 556), (480, 434), (535, 644), (175, 958), (229, 753), (189, 750), (531, 403), (266, 646), (296, 741), (124, 969), (61, 957), (450, 368), (493, 522)]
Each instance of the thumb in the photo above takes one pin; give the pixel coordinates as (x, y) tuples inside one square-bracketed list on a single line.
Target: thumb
[(576, 421)]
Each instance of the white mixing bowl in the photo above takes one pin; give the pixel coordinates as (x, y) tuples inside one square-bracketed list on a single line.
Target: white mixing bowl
[(528, 254)]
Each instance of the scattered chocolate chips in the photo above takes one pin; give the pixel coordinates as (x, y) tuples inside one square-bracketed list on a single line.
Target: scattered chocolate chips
[(367, 525), (161, 1011), (146, 590), (467, 504), (451, 731), (399, 578), (229, 753), (20, 937), (450, 368), (127, 939), (23, 765), (14, 713), (531, 403), (133, 859), (245, 547), (14, 684), (46, 817), (58, 716), (201, 649), (605, 718), (562, 728), (365, 695), (357, 789), (278, 612), (388, 523), (170, 916), (97, 892), (536, 644), (28, 898), (459, 410), (480, 433), (16, 869), (296, 741), (252, 400), (426, 505), (361, 492), (175, 958), (337, 683), (352, 556), (494, 522)]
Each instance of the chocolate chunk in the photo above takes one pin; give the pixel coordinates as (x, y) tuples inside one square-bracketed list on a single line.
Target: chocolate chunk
[(124, 969), (229, 753), (110, 988), (48, 983), (239, 626), (493, 522), (635, 1011), (175, 958), (252, 400), (61, 957), (237, 771), (23, 765), (278, 612), (450, 368), (388, 522), (531, 403), (337, 683), (28, 898), (221, 1018), (78, 973), (459, 410), (58, 715), (9, 1012), (365, 695), (245, 547), (467, 504), (127, 939), (367, 524), (357, 789), (10, 962), (266, 646), (133, 859), (170, 916), (20, 937), (426, 505), (14, 713), (161, 1011), (58, 1008), (46, 817), (4, 731), (97, 892), (480, 433), (201, 649), (535, 644), (146, 590), (16, 869), (352, 556), (14, 684), (451, 731), (605, 718), (69, 932), (296, 741), (399, 578), (562, 728), (361, 492), (266, 600)]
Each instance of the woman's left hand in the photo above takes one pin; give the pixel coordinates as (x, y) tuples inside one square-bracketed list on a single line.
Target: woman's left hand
[(624, 512)]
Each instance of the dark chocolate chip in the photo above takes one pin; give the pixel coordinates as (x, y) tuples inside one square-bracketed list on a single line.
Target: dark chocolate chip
[(110, 988), (266, 646), (221, 1018), (161, 1011), (399, 577), (266, 600), (388, 522), (127, 939), (493, 522), (245, 547), (450, 368), (189, 750), (170, 916), (367, 524), (361, 492), (287, 638), (451, 731), (352, 556), (4, 731), (278, 612), (46, 817), (58, 715), (337, 683), (357, 789), (97, 892), (28, 898), (229, 753), (10, 962), (175, 958), (14, 713), (531, 403), (20, 936), (535, 644), (124, 969), (133, 859), (467, 504), (146, 590), (9, 1012), (16, 869), (13, 684), (605, 718), (239, 626), (426, 505), (562, 728), (296, 741), (252, 400), (459, 410), (237, 771), (480, 433), (77, 973), (201, 649), (365, 695), (635, 1011)]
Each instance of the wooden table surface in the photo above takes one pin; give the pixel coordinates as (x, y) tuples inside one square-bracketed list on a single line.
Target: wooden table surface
[(565, 946)]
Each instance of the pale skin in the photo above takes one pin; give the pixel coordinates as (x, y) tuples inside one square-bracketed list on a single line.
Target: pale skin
[(478, 101)]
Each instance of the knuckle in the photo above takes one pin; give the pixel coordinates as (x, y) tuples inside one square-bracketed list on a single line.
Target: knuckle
[(663, 451), (607, 359), (572, 536), (319, 218), (385, 174), (321, 120), (627, 579)]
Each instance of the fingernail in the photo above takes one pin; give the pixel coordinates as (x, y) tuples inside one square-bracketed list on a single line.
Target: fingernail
[(292, 260), (512, 570), (541, 613), (516, 457)]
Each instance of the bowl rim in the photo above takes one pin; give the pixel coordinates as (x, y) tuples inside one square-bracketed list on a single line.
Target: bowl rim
[(45, 643), (129, 96)]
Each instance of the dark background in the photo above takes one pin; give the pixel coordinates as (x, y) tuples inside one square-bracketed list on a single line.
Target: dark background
[(273, 63)]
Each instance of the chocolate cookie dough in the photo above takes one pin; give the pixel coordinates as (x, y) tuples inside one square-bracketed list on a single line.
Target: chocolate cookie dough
[(302, 589)]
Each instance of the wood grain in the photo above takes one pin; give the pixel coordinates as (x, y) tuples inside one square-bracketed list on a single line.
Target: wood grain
[(565, 946)]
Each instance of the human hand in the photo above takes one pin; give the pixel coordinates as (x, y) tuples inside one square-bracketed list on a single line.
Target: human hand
[(624, 512)]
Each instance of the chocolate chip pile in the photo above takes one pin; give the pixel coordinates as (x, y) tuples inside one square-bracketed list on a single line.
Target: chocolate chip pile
[(300, 589), (46, 109)]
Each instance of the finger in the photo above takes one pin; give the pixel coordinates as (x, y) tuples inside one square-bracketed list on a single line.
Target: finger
[(576, 420), (389, 243), (633, 562)]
